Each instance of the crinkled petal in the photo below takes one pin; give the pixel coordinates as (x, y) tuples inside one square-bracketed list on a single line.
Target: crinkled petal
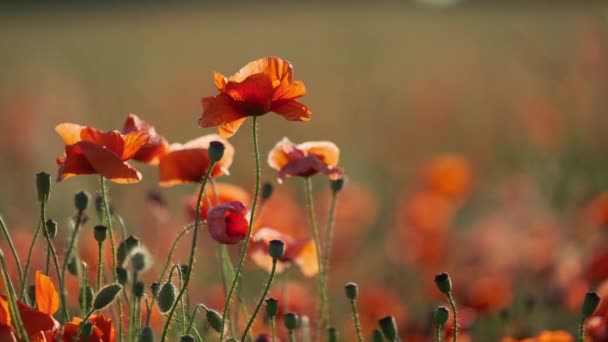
[(327, 151), (279, 155), (293, 110), (73, 163), (253, 95), (133, 142), (47, 298), (108, 164), (69, 132), (185, 166), (291, 91), (219, 110), (220, 80), (278, 70)]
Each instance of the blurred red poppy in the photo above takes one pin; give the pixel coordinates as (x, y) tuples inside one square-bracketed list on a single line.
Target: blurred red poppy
[(91, 151), (156, 146), (103, 329), (305, 159), (188, 163), (262, 86), (227, 222), (225, 193), (38, 325)]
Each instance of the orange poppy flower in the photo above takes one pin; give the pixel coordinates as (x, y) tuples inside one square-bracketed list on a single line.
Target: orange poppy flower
[(103, 329), (225, 193), (545, 336), (188, 163), (302, 253), (306, 159), (47, 298), (156, 146), (449, 174), (38, 325), (262, 86), (91, 151), (227, 222)]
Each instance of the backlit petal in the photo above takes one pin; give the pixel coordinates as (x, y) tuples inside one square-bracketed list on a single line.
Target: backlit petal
[(219, 110), (73, 163), (220, 80), (108, 164), (253, 95), (293, 110), (327, 151), (47, 298), (279, 155), (69, 132), (277, 69), (290, 92), (133, 142), (184, 166)]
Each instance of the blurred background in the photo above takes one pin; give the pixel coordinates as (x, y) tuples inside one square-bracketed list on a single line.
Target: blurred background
[(473, 136)]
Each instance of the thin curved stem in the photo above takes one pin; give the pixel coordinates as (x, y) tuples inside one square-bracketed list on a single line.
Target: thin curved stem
[(329, 234), (68, 255), (27, 263), (12, 247), (99, 264), (438, 333), (455, 327), (581, 331), (324, 313), (54, 256), (262, 297), (272, 328), (12, 302), (353, 307), (192, 251), (239, 266)]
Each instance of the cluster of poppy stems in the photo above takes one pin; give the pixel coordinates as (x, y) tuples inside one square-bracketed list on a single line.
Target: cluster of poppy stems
[(40, 312)]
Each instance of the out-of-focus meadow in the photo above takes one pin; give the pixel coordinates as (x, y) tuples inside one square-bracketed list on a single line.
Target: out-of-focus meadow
[(473, 138)]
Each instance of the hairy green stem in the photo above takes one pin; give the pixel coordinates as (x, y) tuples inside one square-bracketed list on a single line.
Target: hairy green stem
[(12, 301), (262, 297), (13, 250), (54, 256), (329, 235), (99, 264), (68, 255), (240, 263), (27, 264), (438, 333), (455, 327), (581, 331), (353, 307)]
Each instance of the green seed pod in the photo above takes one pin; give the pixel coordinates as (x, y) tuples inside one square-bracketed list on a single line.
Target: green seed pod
[(186, 338), (332, 335), (377, 336), (138, 289), (155, 288), (81, 200), (72, 265), (100, 232), (441, 315), (86, 330), (215, 319), (146, 335), (276, 249), (336, 185), (106, 296), (43, 185), (183, 269), (592, 300), (51, 228), (122, 275), (88, 294), (272, 307), (443, 282), (125, 247), (139, 259), (291, 321), (267, 190), (389, 327), (216, 151), (351, 290), (166, 297)]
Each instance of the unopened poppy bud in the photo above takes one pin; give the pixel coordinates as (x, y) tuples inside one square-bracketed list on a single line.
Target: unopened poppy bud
[(592, 300), (276, 249), (186, 338), (73, 266), (216, 151), (106, 296), (139, 259), (336, 185), (352, 290), (43, 185), (122, 275), (389, 327), (125, 247), (215, 319), (443, 282), (291, 321), (86, 294), (138, 289), (155, 288), (146, 335), (332, 335), (81, 200), (441, 315), (86, 330), (100, 233), (267, 190), (377, 336), (166, 297), (272, 307), (183, 269), (51, 228)]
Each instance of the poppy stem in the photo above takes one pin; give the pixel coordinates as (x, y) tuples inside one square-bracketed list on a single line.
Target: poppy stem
[(272, 329), (329, 236), (438, 333), (455, 327), (108, 222), (27, 264), (12, 247), (194, 312), (12, 302), (192, 250), (99, 264), (581, 331), (51, 247), (262, 297), (68, 255), (256, 150), (48, 261), (324, 316), (353, 307)]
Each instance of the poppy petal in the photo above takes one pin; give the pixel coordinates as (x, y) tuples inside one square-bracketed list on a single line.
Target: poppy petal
[(220, 80), (275, 68), (327, 151), (156, 145), (290, 92), (111, 140), (5, 316), (69, 132), (253, 95), (133, 142), (108, 164), (228, 129), (47, 298), (293, 111), (218, 110), (279, 155), (73, 163), (307, 259), (183, 166)]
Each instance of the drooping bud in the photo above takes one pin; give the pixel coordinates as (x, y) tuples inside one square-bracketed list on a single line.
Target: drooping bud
[(351, 290), (43, 185), (155, 288), (272, 307), (590, 304), (441, 315), (86, 330), (73, 265), (443, 282), (215, 319), (291, 321), (183, 269), (166, 297), (106, 296), (336, 185), (276, 249), (100, 232), (81, 201), (267, 190), (377, 336), (51, 228), (216, 151), (389, 327)]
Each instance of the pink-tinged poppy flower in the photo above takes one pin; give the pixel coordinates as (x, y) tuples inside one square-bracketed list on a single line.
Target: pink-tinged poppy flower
[(305, 159), (188, 163), (227, 222), (225, 193), (91, 151), (262, 86), (156, 147), (302, 253)]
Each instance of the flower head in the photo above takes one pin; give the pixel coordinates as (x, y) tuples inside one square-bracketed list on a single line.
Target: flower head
[(262, 86), (91, 151), (156, 146), (299, 252), (227, 222), (306, 159), (225, 193), (188, 163), (103, 329)]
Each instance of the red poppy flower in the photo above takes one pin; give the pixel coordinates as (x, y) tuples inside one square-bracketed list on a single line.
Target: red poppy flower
[(156, 146), (306, 159), (47, 298), (227, 222), (38, 325), (302, 253), (103, 329), (188, 163), (91, 151), (225, 193), (262, 86)]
